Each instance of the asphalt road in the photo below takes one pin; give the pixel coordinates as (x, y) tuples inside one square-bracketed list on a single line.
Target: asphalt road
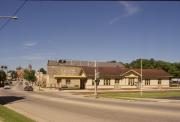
[(51, 107)]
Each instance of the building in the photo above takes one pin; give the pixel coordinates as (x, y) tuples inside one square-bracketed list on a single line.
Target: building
[(41, 79), (20, 73), (175, 82), (9, 76), (112, 75)]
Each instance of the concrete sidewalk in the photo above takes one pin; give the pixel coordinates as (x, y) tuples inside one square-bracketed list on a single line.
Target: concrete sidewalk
[(36, 88)]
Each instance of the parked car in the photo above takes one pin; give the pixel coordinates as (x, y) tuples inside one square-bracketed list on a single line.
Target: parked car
[(6, 85), (28, 88)]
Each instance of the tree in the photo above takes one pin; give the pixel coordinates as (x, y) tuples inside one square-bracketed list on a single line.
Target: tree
[(13, 74), (172, 68), (42, 70), (29, 75), (2, 77)]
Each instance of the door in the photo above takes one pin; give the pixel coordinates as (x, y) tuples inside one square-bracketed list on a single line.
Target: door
[(59, 83), (116, 85), (82, 83), (159, 83)]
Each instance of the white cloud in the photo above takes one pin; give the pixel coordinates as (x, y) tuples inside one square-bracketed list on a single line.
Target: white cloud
[(130, 9), (30, 44), (114, 20)]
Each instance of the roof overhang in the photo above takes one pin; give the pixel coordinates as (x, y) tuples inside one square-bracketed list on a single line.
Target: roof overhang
[(68, 76)]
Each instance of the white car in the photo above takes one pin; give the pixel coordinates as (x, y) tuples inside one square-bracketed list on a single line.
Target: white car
[(6, 86)]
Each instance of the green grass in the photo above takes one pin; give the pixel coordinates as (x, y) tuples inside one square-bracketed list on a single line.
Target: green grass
[(155, 94), (8, 115)]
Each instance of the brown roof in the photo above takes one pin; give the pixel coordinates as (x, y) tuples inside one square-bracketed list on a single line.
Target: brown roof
[(83, 63), (153, 73), (118, 71), (103, 71)]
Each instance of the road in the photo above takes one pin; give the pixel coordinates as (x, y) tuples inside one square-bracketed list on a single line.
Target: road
[(51, 107)]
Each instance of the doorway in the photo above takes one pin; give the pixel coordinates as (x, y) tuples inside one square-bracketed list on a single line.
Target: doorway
[(83, 83), (116, 85)]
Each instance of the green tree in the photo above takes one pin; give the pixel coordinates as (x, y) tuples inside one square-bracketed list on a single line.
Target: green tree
[(172, 68), (13, 74), (42, 70), (29, 75), (2, 77)]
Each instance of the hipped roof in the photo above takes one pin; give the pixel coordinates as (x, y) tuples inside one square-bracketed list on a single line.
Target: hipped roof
[(118, 71)]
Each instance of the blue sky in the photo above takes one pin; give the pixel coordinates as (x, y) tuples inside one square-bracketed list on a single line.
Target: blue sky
[(94, 30)]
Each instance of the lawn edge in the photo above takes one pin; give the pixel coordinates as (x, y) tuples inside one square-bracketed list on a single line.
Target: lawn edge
[(24, 113)]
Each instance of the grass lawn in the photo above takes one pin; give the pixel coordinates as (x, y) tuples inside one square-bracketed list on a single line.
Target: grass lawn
[(7, 115), (152, 94)]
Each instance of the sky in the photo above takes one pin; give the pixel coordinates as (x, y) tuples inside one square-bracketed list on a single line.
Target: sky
[(89, 30)]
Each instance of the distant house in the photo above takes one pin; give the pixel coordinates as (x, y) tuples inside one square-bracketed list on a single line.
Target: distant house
[(112, 75), (20, 73), (175, 82), (9, 76), (42, 79)]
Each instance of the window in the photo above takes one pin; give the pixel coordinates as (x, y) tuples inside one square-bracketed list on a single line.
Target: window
[(147, 82), (159, 81), (93, 82), (131, 82), (106, 82), (117, 81), (68, 81)]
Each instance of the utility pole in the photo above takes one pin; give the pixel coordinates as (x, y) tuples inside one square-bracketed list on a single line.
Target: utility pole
[(95, 78), (141, 77)]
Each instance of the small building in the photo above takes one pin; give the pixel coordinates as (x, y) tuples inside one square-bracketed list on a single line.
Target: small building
[(20, 73), (175, 82), (41, 79), (112, 75), (9, 76)]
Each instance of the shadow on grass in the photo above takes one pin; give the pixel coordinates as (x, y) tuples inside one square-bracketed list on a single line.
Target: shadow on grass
[(171, 98), (8, 99)]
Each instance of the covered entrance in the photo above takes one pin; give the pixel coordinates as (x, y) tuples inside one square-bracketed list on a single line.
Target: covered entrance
[(70, 82)]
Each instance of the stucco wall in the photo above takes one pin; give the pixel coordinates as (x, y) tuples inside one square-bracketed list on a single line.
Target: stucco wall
[(74, 83), (123, 83), (63, 71), (101, 84), (154, 83)]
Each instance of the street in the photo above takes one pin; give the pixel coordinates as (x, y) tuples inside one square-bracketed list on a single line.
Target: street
[(51, 107)]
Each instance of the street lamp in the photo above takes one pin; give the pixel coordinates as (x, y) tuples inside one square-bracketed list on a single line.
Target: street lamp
[(10, 17)]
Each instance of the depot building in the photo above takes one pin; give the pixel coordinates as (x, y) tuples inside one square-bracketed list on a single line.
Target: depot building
[(70, 74)]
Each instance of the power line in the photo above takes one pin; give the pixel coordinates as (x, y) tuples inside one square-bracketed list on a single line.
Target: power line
[(15, 13)]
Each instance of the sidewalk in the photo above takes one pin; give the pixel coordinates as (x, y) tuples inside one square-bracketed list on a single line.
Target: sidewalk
[(36, 88)]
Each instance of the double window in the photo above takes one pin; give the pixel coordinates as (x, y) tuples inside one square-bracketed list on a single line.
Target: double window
[(116, 81), (68, 81), (147, 82), (131, 82), (106, 82)]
